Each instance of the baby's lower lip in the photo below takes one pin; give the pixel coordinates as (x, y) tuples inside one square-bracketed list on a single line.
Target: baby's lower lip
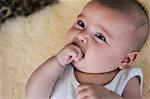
[(83, 53), (79, 47)]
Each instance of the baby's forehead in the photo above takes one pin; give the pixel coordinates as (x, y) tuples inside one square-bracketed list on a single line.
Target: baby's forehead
[(127, 14), (107, 18)]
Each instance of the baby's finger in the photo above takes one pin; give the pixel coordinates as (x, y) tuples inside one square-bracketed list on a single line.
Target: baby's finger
[(83, 94), (83, 97), (83, 87), (72, 55), (79, 53)]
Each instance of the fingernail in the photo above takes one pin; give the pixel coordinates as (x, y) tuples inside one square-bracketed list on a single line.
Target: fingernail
[(76, 60)]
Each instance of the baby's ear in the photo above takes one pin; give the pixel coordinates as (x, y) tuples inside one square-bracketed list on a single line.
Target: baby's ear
[(128, 60)]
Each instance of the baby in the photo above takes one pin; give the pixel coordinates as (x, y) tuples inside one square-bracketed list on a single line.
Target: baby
[(96, 62)]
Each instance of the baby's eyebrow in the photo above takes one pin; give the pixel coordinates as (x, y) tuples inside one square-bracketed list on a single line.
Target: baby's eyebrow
[(107, 32), (80, 15)]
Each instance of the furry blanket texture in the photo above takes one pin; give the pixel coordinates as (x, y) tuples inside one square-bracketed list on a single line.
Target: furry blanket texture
[(26, 42), (13, 8)]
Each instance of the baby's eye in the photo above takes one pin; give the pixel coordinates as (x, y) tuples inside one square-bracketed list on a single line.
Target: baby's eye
[(100, 36), (80, 23)]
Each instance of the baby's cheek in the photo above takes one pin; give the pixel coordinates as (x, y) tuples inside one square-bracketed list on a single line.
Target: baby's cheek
[(70, 35), (68, 38)]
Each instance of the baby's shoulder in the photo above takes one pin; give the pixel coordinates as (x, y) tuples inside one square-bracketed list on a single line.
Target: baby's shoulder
[(120, 81), (129, 73)]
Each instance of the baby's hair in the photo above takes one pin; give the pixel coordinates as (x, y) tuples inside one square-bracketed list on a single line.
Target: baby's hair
[(135, 13)]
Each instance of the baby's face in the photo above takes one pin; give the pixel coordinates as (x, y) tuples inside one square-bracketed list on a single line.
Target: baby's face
[(103, 35)]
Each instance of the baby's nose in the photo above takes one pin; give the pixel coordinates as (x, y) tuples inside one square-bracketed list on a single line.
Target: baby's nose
[(83, 38), (84, 41)]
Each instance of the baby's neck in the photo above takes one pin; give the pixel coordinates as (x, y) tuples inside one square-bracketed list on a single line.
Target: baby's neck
[(100, 79)]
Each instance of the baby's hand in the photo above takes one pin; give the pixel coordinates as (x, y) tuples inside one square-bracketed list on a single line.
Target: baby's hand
[(92, 91), (69, 53)]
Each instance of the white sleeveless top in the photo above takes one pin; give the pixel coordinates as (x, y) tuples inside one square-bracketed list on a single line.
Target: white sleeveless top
[(65, 87)]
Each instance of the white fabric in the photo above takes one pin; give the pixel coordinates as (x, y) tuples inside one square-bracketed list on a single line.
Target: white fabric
[(65, 87)]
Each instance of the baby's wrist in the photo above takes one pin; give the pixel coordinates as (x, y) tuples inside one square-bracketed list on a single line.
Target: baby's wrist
[(58, 62)]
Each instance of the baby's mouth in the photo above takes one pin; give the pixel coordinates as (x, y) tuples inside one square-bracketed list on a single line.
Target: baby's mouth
[(77, 44)]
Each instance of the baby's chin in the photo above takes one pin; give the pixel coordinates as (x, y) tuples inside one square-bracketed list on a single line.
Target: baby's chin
[(78, 66), (84, 69), (81, 66)]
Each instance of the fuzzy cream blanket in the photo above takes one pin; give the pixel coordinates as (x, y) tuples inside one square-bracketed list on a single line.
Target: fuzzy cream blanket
[(26, 42)]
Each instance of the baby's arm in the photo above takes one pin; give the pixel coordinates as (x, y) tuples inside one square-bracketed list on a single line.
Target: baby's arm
[(41, 83)]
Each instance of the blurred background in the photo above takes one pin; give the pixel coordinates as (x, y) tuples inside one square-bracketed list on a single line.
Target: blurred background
[(28, 39)]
